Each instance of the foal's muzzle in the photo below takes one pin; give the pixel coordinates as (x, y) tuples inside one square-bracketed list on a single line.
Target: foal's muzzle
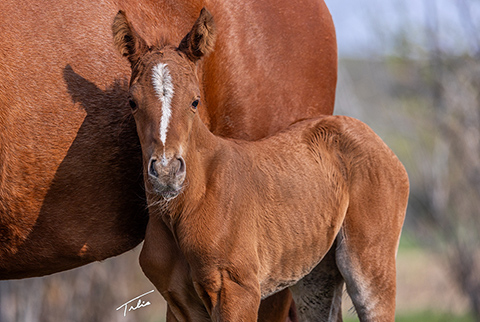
[(167, 175)]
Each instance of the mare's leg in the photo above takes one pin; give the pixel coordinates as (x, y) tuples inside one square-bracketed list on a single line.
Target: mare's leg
[(276, 308), (165, 266), (366, 251), (318, 296)]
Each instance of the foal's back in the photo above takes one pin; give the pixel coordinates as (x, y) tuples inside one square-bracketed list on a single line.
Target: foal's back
[(302, 183)]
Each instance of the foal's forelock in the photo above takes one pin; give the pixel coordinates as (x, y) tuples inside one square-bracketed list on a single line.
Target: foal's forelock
[(163, 86)]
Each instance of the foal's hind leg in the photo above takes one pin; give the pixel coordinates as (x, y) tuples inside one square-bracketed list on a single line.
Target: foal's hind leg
[(366, 251), (318, 296)]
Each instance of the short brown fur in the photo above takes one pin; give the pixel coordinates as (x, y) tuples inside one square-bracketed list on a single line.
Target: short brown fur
[(248, 219), (71, 190)]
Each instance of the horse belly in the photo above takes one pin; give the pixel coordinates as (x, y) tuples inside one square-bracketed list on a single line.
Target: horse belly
[(302, 223), (300, 250)]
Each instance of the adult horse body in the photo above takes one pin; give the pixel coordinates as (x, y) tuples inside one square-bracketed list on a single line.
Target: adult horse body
[(252, 218), (70, 183), (71, 191)]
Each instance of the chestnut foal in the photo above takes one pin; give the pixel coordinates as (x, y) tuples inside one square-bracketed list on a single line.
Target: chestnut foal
[(232, 222)]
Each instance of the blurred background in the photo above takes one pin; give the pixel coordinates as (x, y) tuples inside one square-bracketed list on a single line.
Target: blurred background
[(410, 69)]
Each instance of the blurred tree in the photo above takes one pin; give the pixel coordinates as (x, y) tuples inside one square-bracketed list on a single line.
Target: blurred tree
[(452, 186), (428, 111), (440, 92)]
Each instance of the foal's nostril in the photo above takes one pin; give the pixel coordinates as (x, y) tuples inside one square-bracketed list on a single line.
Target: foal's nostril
[(151, 168), (181, 167)]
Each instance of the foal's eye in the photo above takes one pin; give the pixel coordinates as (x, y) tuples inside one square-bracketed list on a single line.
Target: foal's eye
[(132, 104), (195, 104)]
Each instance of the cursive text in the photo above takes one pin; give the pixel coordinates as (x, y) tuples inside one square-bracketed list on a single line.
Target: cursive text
[(139, 305)]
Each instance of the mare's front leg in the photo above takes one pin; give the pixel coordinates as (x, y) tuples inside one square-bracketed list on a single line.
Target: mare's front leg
[(165, 266), (229, 294)]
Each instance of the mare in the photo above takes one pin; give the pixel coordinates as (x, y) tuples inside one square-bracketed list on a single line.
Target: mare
[(234, 221), (71, 189)]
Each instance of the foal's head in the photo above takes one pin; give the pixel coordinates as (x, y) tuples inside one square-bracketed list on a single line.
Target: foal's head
[(164, 96)]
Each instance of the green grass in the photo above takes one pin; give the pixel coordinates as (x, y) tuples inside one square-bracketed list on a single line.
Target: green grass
[(425, 316), (408, 242)]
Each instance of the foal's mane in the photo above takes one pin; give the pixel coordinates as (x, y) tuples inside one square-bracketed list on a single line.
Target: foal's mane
[(156, 49)]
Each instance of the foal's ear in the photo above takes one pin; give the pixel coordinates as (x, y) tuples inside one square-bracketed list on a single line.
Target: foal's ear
[(200, 40), (127, 41)]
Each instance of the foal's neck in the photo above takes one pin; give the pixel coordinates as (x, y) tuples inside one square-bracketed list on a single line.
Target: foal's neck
[(203, 161), (203, 145)]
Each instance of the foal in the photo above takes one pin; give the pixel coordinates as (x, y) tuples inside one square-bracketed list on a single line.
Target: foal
[(233, 221)]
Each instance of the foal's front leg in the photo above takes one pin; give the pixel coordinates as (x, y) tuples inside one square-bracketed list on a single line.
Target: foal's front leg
[(165, 266), (230, 296)]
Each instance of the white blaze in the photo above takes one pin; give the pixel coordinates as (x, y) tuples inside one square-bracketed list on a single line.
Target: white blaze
[(162, 83)]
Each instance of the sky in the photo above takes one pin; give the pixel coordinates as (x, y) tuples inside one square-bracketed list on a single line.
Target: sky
[(373, 27)]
